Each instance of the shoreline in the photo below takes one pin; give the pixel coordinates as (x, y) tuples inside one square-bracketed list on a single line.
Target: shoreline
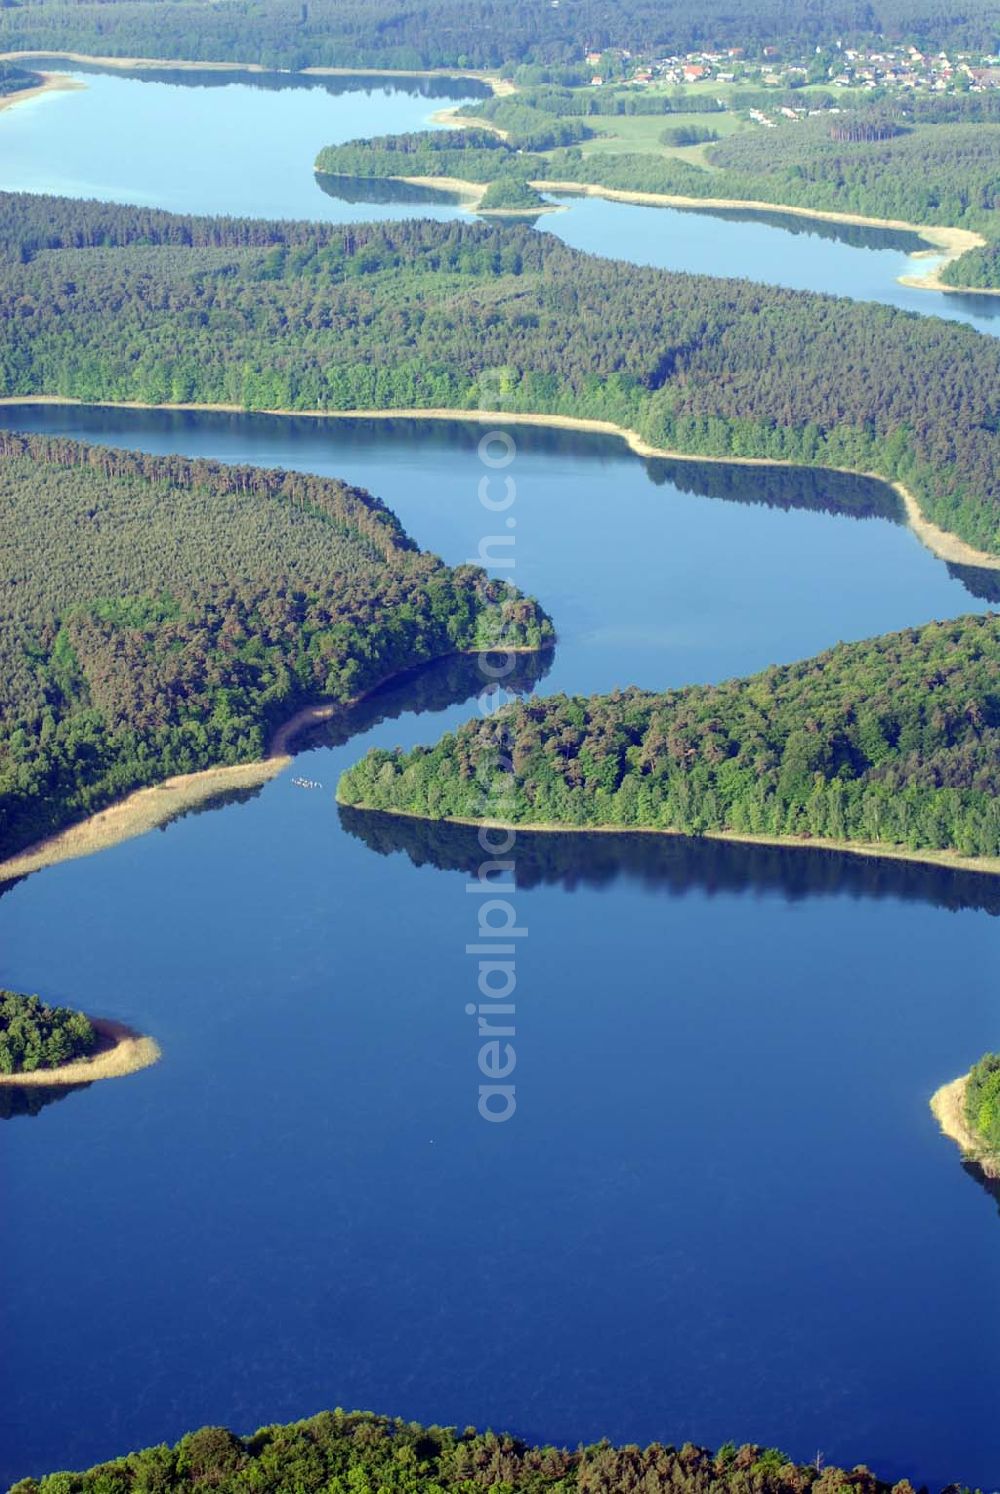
[(932, 281), (950, 860), (954, 241), (940, 542), (500, 86), (125, 1051), (450, 119), (51, 83), (471, 195), (948, 1105), (156, 804)]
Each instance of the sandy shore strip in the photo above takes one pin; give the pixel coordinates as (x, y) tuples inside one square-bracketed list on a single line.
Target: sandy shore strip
[(931, 280), (122, 1051), (500, 86), (51, 83), (948, 1105), (945, 545), (952, 860), (450, 119), (147, 809)]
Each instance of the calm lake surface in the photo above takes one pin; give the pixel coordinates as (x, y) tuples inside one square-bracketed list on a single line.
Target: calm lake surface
[(723, 1208), (245, 144)]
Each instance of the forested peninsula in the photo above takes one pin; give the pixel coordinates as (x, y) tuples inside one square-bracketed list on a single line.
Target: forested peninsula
[(338, 1451), (160, 616), (467, 33), (893, 743), (34, 1035), (106, 303)]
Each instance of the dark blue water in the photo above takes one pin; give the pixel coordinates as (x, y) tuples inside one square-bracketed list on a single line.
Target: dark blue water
[(246, 143), (722, 1209)]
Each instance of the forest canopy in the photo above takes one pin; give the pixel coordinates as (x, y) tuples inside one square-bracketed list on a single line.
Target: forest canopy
[(117, 303), (472, 33), (339, 1451), (982, 1102), (34, 1035), (159, 616), (894, 741)]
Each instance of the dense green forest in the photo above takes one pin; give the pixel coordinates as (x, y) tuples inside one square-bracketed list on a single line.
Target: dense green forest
[(162, 615), (471, 33), (509, 194), (306, 317), (978, 269), (341, 1452), (34, 1035), (982, 1102), (895, 740)]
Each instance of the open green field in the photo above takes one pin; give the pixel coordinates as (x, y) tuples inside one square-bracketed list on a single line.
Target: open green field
[(639, 134)]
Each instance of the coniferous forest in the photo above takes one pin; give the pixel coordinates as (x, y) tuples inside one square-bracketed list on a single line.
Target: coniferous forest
[(116, 303), (161, 616)]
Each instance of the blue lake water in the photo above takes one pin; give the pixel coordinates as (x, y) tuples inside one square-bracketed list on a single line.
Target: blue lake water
[(245, 144), (723, 1209)]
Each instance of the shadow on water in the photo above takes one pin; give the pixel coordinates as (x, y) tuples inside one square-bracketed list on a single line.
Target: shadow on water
[(384, 189), (431, 687), (990, 1185), (438, 87), (675, 865), (31, 1099), (815, 489), (854, 235), (977, 580)]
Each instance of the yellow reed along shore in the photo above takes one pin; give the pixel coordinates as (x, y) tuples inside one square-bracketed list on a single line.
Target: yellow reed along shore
[(51, 83), (122, 1051), (940, 542), (948, 1105)]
